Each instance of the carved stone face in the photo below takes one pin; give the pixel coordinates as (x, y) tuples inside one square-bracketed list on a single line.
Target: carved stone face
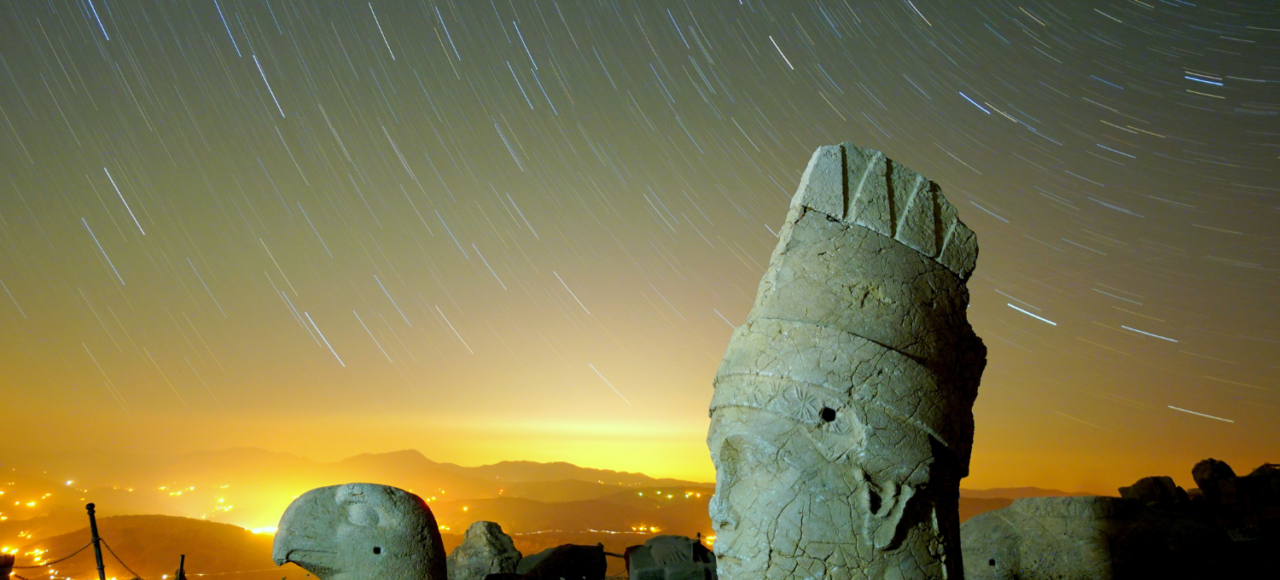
[(783, 508), (841, 419)]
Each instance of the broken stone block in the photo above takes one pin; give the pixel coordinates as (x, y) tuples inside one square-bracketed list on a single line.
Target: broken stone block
[(564, 562), (670, 558), (484, 550), (1089, 538), (841, 421)]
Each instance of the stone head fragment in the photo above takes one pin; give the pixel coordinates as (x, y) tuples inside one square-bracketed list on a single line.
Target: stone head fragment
[(842, 420), (361, 531)]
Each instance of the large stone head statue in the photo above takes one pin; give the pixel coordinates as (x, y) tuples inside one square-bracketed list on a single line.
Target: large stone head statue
[(842, 419), (361, 531)]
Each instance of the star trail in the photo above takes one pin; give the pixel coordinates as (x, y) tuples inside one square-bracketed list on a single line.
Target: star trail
[(345, 227)]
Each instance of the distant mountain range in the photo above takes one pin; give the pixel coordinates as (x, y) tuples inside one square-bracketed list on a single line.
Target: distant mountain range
[(141, 500), (1012, 493), (250, 488)]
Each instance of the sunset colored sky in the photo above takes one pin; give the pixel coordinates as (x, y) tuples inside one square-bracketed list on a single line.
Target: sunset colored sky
[(498, 229)]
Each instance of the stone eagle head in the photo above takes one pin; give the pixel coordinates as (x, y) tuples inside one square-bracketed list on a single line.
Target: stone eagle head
[(361, 531)]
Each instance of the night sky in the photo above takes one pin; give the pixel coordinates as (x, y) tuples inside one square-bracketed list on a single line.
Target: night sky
[(499, 229)]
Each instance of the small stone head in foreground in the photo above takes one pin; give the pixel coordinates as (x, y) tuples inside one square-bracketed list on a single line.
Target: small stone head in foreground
[(842, 417), (361, 531)]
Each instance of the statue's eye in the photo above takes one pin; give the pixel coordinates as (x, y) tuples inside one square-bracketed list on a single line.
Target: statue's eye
[(828, 414), (377, 549), (362, 515)]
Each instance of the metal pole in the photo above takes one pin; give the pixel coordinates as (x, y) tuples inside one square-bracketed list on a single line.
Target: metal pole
[(97, 545), (182, 563), (6, 566)]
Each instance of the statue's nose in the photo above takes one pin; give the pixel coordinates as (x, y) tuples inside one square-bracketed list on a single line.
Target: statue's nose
[(722, 518)]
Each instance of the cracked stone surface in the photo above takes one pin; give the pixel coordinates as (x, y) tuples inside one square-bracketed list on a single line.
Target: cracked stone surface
[(842, 418), (361, 531), (670, 558), (1091, 538), (484, 550)]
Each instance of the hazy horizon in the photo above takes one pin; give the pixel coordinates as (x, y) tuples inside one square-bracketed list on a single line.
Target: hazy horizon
[(1088, 483)]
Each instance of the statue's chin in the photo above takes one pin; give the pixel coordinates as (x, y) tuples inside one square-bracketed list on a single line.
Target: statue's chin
[(732, 561), (731, 567)]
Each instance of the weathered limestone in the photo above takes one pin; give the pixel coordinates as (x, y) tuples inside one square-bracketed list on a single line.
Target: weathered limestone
[(842, 420), (1089, 538), (361, 531), (670, 558), (484, 550)]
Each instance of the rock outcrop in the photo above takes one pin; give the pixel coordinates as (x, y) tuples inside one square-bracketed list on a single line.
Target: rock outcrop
[(1228, 528), (842, 419), (1216, 480), (670, 558), (484, 550), (1088, 538), (1159, 490), (361, 531), (1247, 507)]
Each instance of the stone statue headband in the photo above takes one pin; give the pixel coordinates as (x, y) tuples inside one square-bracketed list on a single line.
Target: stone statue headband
[(811, 374)]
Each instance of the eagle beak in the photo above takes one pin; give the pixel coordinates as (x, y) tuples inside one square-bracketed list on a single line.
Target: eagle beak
[(305, 535), (308, 559)]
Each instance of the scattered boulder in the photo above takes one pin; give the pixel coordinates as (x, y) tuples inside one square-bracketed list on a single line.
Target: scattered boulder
[(485, 550), (1093, 538), (1261, 490), (1216, 479), (670, 558), (566, 562), (1159, 490), (1268, 477)]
